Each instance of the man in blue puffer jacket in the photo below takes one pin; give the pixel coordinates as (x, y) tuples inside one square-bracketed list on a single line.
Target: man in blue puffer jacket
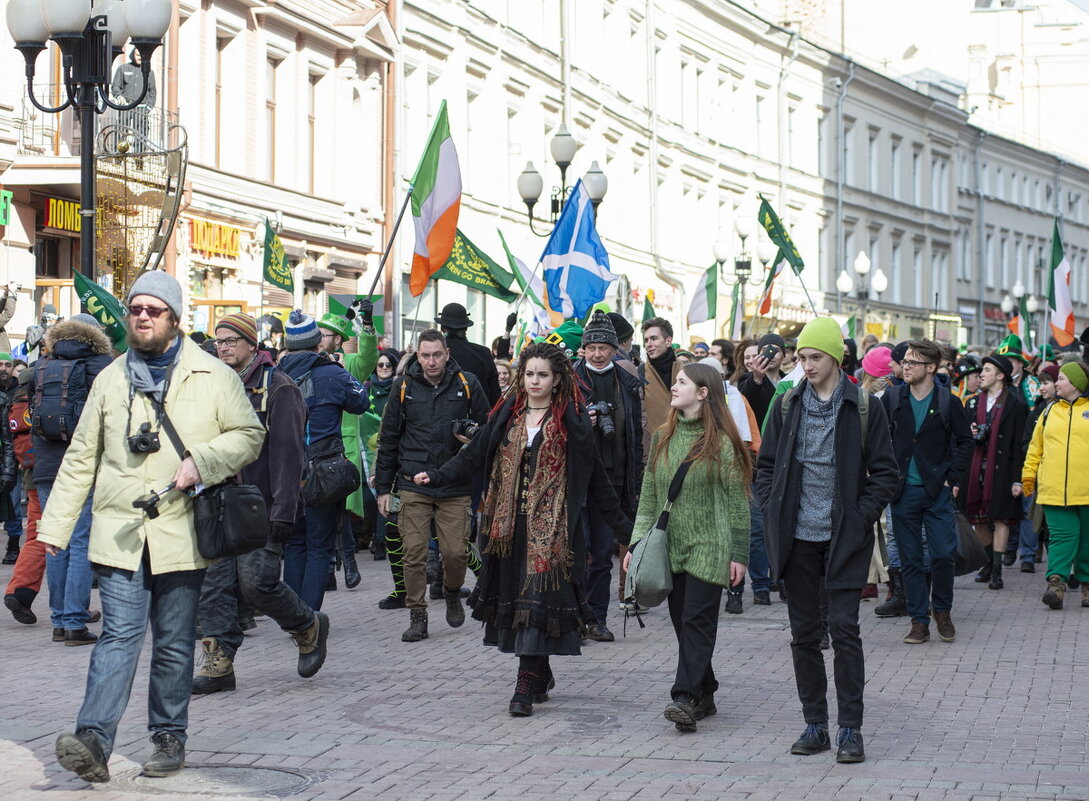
[(329, 391)]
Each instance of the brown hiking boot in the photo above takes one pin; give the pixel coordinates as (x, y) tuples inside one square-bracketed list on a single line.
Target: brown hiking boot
[(1056, 589), (920, 633), (947, 632), (216, 670)]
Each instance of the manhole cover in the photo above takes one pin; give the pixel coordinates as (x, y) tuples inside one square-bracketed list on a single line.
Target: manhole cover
[(221, 781)]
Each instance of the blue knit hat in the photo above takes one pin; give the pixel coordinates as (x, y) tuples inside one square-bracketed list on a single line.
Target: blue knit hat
[(301, 332)]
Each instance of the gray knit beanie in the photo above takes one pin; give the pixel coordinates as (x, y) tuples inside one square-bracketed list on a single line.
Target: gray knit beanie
[(86, 319), (301, 332), (159, 285)]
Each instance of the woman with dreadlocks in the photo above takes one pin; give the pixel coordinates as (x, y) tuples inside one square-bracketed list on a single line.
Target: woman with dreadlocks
[(538, 453)]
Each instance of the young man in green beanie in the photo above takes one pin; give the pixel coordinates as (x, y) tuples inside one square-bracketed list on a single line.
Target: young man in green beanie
[(825, 432)]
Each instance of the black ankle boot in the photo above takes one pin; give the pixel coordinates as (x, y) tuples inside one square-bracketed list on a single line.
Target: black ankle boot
[(984, 574), (996, 582), (351, 570), (521, 703)]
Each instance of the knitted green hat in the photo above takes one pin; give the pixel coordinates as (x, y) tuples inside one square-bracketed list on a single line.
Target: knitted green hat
[(822, 334), (1011, 348), (568, 338), (5, 356), (336, 324), (1075, 374)]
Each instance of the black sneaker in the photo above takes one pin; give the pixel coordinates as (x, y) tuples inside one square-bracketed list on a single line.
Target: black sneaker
[(849, 746), (734, 604), (1028, 567), (1009, 558), (81, 754), (783, 593), (58, 635), (813, 740), (599, 632), (167, 758), (73, 637), (761, 598), (682, 711), (20, 611), (11, 555)]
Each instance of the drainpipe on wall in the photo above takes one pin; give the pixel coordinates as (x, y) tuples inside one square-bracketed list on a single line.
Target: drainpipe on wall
[(982, 332), (170, 254), (392, 144), (652, 96), (783, 73), (841, 167), (565, 58)]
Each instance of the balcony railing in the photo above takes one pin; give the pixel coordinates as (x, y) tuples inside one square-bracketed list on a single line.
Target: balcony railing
[(59, 135)]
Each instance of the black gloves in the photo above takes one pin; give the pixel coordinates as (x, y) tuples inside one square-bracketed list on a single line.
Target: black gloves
[(281, 532), (366, 311), (512, 318)]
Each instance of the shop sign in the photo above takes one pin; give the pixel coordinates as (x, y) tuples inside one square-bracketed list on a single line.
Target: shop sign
[(62, 215), (214, 239), (994, 313)]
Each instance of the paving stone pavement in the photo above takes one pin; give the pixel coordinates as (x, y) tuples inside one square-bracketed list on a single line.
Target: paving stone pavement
[(999, 714)]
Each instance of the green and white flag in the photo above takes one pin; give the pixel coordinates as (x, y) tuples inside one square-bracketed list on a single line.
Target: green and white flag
[(277, 270), (737, 314), (104, 307), (470, 266), (648, 309), (533, 288), (705, 299), (848, 327)]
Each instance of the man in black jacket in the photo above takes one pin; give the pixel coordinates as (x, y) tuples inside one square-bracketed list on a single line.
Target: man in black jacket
[(418, 434), (621, 452), (758, 385), (278, 474), (933, 446), (825, 432), (476, 359)]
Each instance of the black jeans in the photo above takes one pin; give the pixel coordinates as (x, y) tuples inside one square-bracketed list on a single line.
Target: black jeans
[(257, 574), (693, 608), (803, 578)]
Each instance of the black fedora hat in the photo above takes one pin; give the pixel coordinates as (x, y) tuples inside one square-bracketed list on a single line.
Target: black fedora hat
[(453, 315)]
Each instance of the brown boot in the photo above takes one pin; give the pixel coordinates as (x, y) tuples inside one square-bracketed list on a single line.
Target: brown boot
[(947, 632), (216, 670), (920, 633), (1056, 589)]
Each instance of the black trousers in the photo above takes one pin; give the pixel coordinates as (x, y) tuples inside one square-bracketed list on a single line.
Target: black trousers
[(803, 577), (693, 608)]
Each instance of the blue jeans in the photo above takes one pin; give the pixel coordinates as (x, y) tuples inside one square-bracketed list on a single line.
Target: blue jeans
[(911, 512), (14, 527), (130, 599), (308, 555), (68, 574), (894, 550), (759, 572), (1026, 534)]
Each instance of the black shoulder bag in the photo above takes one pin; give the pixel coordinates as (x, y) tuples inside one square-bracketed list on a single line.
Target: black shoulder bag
[(230, 519)]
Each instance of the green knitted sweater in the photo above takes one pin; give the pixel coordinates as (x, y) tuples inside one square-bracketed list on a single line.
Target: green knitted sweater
[(709, 524)]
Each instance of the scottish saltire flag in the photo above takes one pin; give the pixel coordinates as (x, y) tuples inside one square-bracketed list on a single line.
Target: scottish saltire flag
[(1059, 303), (576, 266), (542, 317)]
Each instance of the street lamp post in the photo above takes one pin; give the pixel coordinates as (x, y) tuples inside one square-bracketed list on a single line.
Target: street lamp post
[(877, 284), (742, 260), (89, 38), (530, 183)]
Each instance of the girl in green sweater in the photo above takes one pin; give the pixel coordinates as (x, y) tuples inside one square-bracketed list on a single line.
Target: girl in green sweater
[(708, 527)]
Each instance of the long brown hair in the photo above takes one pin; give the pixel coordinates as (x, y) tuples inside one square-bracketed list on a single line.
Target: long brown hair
[(718, 424), (739, 359)]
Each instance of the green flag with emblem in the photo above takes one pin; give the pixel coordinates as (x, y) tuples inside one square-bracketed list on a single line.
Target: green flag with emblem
[(470, 266)]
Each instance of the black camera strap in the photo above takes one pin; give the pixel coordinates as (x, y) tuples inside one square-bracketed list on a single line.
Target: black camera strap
[(172, 434)]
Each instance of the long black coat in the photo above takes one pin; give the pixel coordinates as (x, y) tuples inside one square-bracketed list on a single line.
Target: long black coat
[(1009, 458), (586, 476), (863, 486)]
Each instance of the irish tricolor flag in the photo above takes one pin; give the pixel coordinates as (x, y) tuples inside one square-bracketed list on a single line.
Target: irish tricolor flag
[(705, 299), (1018, 324), (777, 265), (1060, 307), (436, 200)]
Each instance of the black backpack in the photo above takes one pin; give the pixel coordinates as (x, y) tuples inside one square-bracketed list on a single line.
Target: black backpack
[(60, 393)]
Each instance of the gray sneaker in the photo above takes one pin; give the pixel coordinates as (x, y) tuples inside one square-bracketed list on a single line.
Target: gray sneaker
[(168, 757)]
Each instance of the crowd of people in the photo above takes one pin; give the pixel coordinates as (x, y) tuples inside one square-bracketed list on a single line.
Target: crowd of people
[(539, 467)]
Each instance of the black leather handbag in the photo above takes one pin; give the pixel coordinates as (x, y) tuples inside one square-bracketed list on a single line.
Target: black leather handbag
[(230, 518), (329, 477)]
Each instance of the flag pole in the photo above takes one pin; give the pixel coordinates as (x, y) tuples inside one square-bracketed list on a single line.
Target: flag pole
[(389, 245)]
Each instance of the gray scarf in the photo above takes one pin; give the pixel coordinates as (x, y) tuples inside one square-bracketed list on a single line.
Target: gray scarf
[(139, 371)]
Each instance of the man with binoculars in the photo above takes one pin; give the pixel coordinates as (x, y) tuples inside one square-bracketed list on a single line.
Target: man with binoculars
[(615, 403)]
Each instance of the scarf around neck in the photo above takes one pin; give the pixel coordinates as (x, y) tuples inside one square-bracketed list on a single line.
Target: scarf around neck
[(548, 550), (981, 492), (148, 373), (664, 366)]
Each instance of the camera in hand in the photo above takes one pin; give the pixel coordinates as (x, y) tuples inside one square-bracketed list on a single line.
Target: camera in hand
[(981, 432), (605, 422), (465, 427), (145, 440)]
